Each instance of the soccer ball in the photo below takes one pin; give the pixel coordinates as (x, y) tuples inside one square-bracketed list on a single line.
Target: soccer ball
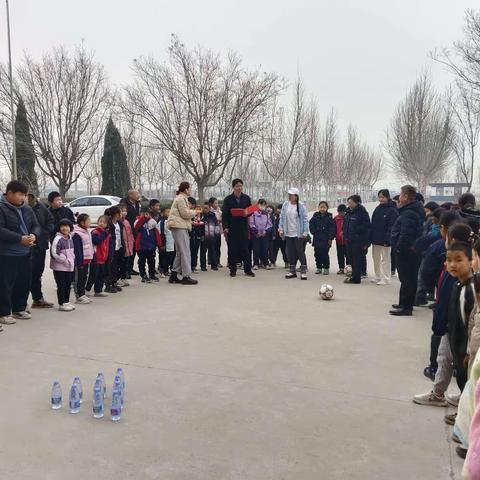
[(326, 292), (348, 271)]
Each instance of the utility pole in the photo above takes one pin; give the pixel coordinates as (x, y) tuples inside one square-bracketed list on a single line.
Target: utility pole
[(12, 112)]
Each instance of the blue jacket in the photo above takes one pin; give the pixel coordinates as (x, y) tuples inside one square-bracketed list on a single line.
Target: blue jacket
[(421, 244), (440, 312), (383, 218), (323, 228), (302, 223), (356, 226), (408, 226), (433, 262)]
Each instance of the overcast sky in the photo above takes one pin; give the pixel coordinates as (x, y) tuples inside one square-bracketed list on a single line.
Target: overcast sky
[(359, 57)]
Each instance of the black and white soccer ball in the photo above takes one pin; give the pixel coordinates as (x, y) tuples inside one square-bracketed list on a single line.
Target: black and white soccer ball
[(348, 271), (326, 292)]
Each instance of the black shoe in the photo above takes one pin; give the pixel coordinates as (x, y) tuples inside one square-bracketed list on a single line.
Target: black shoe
[(188, 281), (215, 268), (204, 269), (291, 275), (349, 280), (146, 280), (421, 303), (174, 278), (432, 306), (133, 272), (117, 288), (461, 451), (396, 306), (402, 312), (111, 289), (128, 276), (429, 372), (154, 278), (249, 274), (233, 273)]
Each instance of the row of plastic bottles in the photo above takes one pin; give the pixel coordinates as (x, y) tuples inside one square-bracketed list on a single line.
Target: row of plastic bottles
[(99, 396)]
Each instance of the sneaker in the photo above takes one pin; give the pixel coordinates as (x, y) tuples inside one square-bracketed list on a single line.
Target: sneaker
[(430, 398), (71, 304), (7, 320), (83, 300), (450, 418), (23, 315), (162, 275), (268, 267), (233, 273), (364, 275), (189, 281), (341, 272), (195, 270), (249, 274), (146, 280), (88, 293), (220, 265), (215, 269), (318, 271), (303, 276), (291, 275), (101, 294), (120, 283), (154, 278), (204, 269), (255, 267), (126, 283), (42, 303), (174, 278), (383, 282), (111, 289), (134, 272), (326, 271), (117, 288), (66, 307), (452, 399), (374, 280)]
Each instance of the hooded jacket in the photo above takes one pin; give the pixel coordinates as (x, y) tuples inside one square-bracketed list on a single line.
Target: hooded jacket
[(323, 228), (62, 255), (14, 223), (147, 235), (260, 222), (383, 219), (408, 226)]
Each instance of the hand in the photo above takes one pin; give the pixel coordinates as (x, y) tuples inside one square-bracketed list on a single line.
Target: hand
[(466, 360), (27, 240), (245, 213)]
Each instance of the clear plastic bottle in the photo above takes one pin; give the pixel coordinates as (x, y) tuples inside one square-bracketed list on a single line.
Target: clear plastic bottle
[(117, 385), (101, 377), (74, 399), (122, 376), (77, 381), (56, 395), (98, 404), (116, 408)]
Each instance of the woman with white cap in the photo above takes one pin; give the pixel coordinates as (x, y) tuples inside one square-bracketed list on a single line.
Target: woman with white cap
[(294, 228)]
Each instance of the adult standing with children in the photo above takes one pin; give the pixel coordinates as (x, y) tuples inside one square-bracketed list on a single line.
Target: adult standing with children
[(180, 224), (293, 227), (132, 202), (383, 219)]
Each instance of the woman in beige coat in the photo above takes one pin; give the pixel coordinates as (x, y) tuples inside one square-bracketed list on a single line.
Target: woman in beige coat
[(180, 224)]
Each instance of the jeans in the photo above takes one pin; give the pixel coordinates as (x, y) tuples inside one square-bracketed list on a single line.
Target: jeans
[(15, 278)]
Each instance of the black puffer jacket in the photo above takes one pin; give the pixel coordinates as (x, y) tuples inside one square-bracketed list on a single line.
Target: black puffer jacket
[(356, 226), (46, 222), (10, 227), (383, 219), (133, 210), (323, 228), (408, 227)]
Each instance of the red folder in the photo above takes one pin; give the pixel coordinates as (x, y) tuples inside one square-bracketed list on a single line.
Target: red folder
[(243, 212)]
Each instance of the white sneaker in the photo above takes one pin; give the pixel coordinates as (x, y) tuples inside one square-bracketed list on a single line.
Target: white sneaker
[(71, 304), (375, 280), (452, 399), (83, 300), (430, 398), (7, 320), (101, 294), (126, 283), (122, 283), (66, 307), (24, 315), (255, 267), (383, 282), (88, 293)]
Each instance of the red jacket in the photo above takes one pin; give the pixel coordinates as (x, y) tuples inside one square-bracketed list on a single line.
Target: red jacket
[(339, 236), (101, 241)]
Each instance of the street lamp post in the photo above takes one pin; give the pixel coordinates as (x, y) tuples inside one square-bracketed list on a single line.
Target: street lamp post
[(12, 112)]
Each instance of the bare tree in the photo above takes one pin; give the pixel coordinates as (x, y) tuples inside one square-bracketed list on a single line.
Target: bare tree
[(198, 107), (465, 107), (66, 96), (419, 136)]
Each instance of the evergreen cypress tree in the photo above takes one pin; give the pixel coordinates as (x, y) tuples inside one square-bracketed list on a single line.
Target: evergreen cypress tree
[(115, 174), (26, 157)]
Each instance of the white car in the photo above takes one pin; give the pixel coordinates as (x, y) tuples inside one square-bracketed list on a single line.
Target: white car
[(93, 205)]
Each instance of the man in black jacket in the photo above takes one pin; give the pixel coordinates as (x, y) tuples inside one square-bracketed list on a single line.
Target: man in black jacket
[(407, 228), (132, 201), (356, 232), (58, 211), (47, 228), (19, 231)]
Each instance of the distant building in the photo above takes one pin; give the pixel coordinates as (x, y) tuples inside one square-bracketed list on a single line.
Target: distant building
[(446, 192)]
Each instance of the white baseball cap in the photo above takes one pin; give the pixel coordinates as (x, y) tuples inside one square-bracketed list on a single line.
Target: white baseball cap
[(293, 191)]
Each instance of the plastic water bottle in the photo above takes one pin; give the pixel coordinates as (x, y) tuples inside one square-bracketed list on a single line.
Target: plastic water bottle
[(56, 395), (117, 385), (122, 376), (78, 383), (98, 406), (116, 408), (103, 384), (74, 399)]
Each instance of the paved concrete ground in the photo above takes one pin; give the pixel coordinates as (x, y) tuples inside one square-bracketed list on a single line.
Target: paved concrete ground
[(238, 379)]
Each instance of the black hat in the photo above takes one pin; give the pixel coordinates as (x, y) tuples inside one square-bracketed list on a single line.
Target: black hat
[(65, 221)]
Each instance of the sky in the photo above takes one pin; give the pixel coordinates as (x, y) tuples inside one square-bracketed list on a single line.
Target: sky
[(358, 57)]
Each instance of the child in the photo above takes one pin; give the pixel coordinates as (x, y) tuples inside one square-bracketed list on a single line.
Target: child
[(62, 262), (167, 250), (83, 247), (278, 243), (196, 234), (270, 214), (210, 222), (126, 262), (117, 250), (342, 255), (155, 209), (453, 309), (260, 225), (102, 251), (146, 242), (429, 208), (215, 208), (323, 229)]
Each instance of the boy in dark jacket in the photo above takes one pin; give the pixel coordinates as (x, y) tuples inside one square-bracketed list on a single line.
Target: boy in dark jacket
[(196, 234), (47, 227), (19, 231), (208, 242), (147, 240), (58, 210), (383, 218), (323, 229)]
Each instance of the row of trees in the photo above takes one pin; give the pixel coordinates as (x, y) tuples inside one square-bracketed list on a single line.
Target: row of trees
[(207, 118)]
